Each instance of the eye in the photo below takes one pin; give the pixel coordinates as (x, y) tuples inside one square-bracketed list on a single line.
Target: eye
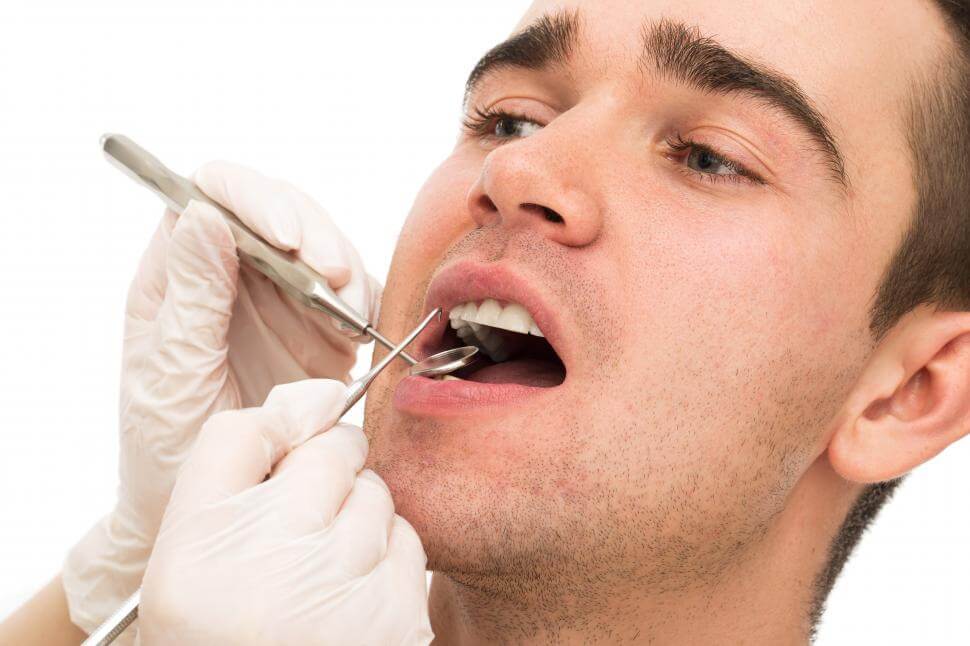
[(705, 161), (498, 124), (508, 126), (708, 164)]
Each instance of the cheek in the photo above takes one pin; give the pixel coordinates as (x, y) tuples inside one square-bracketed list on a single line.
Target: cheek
[(744, 326), (438, 219), (439, 215), (743, 276)]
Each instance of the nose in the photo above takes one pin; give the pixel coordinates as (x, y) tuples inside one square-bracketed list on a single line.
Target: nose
[(536, 182)]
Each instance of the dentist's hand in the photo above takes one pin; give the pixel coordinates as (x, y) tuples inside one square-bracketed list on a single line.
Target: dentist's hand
[(203, 335), (313, 555)]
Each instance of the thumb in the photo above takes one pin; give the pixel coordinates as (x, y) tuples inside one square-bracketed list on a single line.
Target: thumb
[(237, 449), (186, 368), (201, 272)]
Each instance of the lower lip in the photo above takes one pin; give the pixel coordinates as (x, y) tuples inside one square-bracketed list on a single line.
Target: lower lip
[(432, 397)]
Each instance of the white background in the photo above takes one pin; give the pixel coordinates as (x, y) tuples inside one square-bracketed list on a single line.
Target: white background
[(354, 102)]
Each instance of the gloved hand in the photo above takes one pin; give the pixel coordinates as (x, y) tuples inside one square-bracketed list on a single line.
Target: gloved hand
[(202, 336), (313, 555)]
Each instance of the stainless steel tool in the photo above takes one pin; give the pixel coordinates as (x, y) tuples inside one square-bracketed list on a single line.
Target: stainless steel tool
[(107, 632), (290, 273)]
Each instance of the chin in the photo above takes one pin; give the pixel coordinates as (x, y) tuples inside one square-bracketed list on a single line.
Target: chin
[(478, 491), (437, 499)]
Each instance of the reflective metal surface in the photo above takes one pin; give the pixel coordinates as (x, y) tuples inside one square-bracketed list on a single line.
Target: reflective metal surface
[(445, 363)]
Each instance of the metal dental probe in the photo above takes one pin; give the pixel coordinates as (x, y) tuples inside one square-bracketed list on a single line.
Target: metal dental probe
[(291, 274), (114, 625), (358, 387)]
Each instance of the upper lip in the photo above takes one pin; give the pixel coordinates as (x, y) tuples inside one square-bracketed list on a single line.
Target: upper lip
[(466, 280)]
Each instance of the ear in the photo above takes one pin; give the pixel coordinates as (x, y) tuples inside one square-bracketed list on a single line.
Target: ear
[(911, 401)]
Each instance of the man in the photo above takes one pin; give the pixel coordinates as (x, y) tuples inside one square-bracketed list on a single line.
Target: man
[(741, 228), (725, 404)]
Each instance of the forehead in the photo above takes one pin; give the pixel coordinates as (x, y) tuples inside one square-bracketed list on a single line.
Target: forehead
[(821, 43), (854, 60)]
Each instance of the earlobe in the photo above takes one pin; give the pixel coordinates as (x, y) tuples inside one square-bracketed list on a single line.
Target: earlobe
[(911, 401)]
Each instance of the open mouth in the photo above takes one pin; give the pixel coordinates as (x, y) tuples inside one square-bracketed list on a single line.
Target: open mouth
[(512, 348), (519, 328)]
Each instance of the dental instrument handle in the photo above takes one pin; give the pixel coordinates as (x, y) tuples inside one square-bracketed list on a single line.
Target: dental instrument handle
[(114, 625), (291, 274)]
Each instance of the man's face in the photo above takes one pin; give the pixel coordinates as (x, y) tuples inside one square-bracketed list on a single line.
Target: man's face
[(695, 260)]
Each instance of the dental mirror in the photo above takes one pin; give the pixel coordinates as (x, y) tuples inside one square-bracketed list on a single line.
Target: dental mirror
[(445, 363)]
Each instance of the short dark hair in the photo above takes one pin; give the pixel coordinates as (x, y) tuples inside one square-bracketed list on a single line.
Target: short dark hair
[(932, 263)]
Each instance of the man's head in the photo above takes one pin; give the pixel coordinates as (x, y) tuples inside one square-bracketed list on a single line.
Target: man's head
[(697, 203)]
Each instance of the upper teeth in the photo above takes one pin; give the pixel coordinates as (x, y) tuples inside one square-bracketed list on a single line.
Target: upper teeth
[(513, 317), (469, 318)]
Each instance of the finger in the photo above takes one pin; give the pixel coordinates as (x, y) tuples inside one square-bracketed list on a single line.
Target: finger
[(403, 570), (376, 296), (358, 537), (282, 214), (291, 220), (148, 286), (236, 450), (323, 246), (254, 198), (316, 477), (357, 290), (200, 273), (365, 297), (405, 548), (400, 572)]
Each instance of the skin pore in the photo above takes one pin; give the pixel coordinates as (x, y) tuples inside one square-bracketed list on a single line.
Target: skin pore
[(678, 486)]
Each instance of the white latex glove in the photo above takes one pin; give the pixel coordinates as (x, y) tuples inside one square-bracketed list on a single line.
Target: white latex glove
[(313, 555), (202, 336)]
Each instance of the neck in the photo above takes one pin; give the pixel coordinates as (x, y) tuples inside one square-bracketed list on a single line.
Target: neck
[(764, 597)]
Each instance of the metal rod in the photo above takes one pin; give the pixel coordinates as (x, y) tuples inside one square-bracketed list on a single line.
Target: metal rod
[(390, 346), (114, 625), (359, 386)]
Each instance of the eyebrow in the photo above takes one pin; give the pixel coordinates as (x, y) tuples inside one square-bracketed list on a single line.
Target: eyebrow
[(547, 41), (682, 54)]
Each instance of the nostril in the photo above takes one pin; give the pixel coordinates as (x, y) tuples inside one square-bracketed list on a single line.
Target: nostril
[(547, 213), (484, 211), (486, 204), (552, 216)]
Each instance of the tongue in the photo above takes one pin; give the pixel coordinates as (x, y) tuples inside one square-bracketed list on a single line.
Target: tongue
[(526, 372)]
